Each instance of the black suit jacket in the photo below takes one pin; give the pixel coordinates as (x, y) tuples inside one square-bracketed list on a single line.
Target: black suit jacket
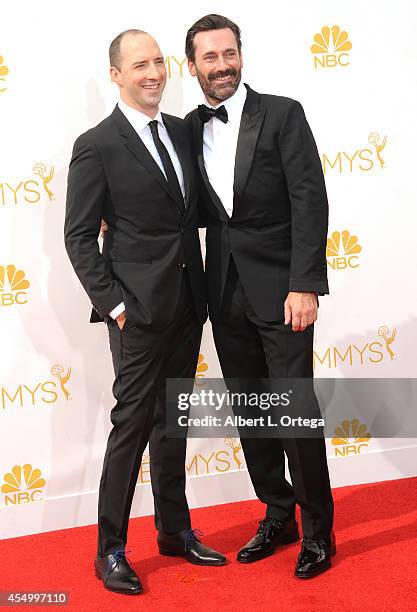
[(112, 176), (277, 233)]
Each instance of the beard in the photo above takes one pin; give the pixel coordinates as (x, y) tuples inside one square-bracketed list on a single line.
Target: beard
[(219, 91)]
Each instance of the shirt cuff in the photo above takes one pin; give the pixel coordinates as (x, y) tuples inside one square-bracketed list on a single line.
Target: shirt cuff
[(118, 310)]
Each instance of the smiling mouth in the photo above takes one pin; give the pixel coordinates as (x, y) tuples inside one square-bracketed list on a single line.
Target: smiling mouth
[(151, 87)]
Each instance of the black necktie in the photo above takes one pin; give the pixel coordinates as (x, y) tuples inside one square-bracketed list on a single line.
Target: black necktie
[(171, 175), (206, 113)]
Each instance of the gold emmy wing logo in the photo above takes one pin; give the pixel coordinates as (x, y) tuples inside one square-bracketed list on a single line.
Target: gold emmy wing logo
[(57, 370), (371, 352), (378, 143), (13, 285), (330, 48), (388, 337), (4, 71), (202, 368), (351, 438), (22, 485), (216, 461), (342, 250), (29, 191), (38, 393), (362, 160), (46, 176), (236, 446), (174, 66)]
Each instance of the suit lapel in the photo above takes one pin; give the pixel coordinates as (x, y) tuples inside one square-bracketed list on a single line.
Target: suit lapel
[(135, 145), (198, 128), (250, 126), (178, 141)]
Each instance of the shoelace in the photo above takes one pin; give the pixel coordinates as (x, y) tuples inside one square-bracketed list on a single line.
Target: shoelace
[(312, 545), (192, 535), (266, 525), (116, 557)]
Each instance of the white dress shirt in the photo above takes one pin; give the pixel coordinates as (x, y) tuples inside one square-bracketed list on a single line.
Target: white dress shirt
[(219, 147), (140, 123)]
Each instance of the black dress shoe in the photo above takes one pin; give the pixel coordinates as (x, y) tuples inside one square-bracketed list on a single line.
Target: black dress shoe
[(315, 557), (271, 532), (188, 545), (117, 575)]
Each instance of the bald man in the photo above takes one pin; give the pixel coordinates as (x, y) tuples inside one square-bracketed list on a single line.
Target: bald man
[(135, 170)]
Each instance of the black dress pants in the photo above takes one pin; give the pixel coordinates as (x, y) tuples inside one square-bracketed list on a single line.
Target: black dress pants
[(248, 347), (142, 360)]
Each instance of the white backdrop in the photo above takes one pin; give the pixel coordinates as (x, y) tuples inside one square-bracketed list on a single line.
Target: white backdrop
[(56, 375)]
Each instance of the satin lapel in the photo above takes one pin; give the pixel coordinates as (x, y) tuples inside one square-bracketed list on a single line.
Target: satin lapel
[(198, 137), (135, 145), (177, 139), (250, 125)]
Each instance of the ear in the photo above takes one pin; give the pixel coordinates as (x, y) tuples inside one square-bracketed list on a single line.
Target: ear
[(114, 75), (191, 68)]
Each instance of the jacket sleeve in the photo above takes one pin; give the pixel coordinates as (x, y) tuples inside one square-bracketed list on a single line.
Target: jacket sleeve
[(308, 199), (86, 194)]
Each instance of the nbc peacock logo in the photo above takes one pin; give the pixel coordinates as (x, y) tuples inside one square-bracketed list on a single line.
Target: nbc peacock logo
[(202, 368), (4, 71), (331, 48), (13, 286), (342, 250), (351, 438), (22, 485)]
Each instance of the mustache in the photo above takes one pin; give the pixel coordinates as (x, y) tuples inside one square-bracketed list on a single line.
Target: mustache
[(225, 73)]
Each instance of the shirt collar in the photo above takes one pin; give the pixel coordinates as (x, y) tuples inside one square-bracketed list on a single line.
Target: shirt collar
[(138, 120), (234, 105)]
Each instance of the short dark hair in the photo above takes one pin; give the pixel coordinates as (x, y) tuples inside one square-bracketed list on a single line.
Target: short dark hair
[(114, 49), (206, 23)]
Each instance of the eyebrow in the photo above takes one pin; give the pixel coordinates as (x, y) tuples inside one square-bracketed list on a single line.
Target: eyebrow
[(215, 52), (143, 61)]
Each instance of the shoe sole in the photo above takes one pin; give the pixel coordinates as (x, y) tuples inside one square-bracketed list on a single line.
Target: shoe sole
[(168, 553), (287, 540), (120, 591)]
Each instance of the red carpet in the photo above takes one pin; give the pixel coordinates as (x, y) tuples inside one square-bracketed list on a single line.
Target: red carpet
[(375, 567)]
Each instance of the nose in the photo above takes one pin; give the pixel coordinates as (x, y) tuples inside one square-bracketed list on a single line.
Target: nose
[(221, 64), (153, 72)]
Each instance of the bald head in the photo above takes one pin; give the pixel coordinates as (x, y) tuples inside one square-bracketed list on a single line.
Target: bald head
[(115, 46), (137, 66)]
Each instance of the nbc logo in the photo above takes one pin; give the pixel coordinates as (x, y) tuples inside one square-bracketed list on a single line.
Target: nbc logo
[(351, 438), (202, 367), (22, 485), (342, 250), (13, 285), (4, 71), (330, 48)]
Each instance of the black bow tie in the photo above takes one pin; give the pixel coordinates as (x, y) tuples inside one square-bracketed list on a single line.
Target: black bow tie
[(206, 113)]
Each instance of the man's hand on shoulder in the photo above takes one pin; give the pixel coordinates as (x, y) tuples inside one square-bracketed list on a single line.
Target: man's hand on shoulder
[(300, 309)]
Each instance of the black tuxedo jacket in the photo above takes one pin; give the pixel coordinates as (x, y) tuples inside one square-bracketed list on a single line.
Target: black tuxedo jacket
[(277, 233), (112, 176)]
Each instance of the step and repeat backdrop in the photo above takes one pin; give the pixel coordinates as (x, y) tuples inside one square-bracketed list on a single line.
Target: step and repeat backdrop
[(354, 73)]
